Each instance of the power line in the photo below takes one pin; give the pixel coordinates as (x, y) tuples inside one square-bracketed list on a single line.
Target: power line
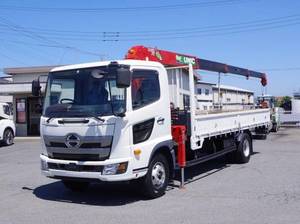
[(12, 58), (281, 69), (215, 30), (282, 19), (202, 4), (40, 38), (39, 53), (211, 34)]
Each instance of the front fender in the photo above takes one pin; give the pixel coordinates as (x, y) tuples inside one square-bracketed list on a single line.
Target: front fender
[(165, 147)]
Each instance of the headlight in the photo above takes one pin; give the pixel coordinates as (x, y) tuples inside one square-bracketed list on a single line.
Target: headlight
[(112, 169)]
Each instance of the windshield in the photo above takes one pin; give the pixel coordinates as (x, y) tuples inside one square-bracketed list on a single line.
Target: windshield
[(82, 93)]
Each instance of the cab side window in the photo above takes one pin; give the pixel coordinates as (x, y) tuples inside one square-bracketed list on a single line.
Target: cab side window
[(145, 88)]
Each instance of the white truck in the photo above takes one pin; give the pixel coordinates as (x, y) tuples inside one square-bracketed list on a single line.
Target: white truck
[(111, 121), (268, 101), (7, 125)]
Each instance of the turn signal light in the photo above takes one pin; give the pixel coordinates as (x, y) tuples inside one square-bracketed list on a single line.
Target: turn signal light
[(137, 152)]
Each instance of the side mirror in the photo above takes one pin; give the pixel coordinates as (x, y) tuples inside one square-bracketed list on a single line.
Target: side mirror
[(123, 77), (36, 87)]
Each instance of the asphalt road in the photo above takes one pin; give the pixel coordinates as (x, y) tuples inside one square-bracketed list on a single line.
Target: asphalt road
[(266, 190)]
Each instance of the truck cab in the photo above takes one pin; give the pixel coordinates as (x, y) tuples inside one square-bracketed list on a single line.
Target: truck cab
[(93, 129), (7, 125)]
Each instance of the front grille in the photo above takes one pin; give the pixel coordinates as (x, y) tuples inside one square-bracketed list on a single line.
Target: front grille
[(75, 167), (58, 144), (83, 145), (77, 157)]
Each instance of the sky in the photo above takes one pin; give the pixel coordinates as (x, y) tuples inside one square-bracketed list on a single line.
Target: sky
[(261, 35)]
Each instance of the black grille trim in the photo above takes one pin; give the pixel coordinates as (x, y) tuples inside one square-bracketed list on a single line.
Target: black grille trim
[(75, 167), (77, 157), (91, 145)]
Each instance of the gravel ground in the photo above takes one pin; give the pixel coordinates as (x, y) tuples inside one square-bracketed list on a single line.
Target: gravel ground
[(266, 190)]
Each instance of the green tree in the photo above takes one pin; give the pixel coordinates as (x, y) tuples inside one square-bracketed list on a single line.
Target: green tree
[(286, 103)]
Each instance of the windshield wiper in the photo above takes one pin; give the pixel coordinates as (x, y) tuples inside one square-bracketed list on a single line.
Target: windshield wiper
[(49, 119), (98, 118)]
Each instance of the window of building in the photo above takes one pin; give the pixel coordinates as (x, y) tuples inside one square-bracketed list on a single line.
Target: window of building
[(199, 91), (204, 107), (228, 99), (206, 91), (145, 88)]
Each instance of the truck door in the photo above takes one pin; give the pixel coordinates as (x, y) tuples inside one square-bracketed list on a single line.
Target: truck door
[(150, 109)]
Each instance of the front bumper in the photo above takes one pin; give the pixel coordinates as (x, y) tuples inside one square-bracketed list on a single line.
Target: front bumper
[(130, 173)]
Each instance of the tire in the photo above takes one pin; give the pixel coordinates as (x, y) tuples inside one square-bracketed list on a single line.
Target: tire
[(155, 183), (264, 136), (275, 128), (76, 186), (8, 137), (244, 149)]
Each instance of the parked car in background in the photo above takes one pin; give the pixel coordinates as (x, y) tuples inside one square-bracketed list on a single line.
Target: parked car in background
[(7, 125)]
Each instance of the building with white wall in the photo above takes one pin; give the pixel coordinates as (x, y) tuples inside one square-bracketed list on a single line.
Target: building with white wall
[(4, 97), (18, 90), (232, 98), (204, 95)]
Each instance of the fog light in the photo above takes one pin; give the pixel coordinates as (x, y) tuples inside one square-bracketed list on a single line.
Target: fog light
[(122, 168), (44, 165), (112, 169)]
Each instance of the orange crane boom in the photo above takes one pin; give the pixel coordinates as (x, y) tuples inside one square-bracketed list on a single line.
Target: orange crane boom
[(169, 58)]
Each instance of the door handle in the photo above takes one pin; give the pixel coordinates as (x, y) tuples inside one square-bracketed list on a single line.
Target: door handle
[(160, 120)]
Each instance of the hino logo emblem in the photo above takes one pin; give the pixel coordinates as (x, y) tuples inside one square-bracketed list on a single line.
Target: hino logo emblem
[(73, 141)]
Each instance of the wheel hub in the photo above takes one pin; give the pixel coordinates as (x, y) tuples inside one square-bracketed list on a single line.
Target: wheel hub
[(9, 137), (246, 148), (158, 175)]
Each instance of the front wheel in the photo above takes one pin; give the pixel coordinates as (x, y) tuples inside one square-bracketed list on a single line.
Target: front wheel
[(76, 186), (8, 137), (157, 178)]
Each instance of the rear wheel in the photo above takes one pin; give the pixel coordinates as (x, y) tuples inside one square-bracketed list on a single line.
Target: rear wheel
[(8, 137), (244, 149), (157, 178), (76, 186), (275, 128)]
